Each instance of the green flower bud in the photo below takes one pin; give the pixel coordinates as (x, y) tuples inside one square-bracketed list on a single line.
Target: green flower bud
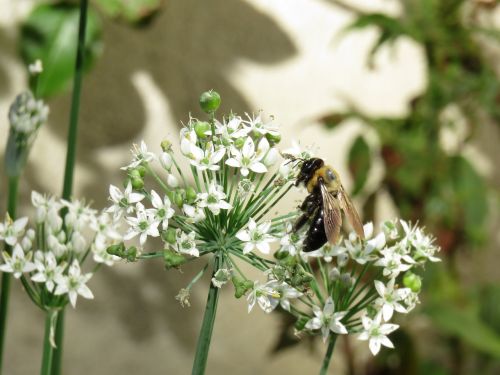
[(169, 235), (190, 195), (173, 259), (210, 101), (200, 128), (166, 145), (412, 281), (134, 173), (241, 286), (238, 143), (142, 170), (280, 255), (179, 197), (301, 323), (273, 138), (117, 249), (137, 183)]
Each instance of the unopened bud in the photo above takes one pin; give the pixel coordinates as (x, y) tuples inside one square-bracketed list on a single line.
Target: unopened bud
[(210, 101), (412, 281), (202, 129), (173, 259)]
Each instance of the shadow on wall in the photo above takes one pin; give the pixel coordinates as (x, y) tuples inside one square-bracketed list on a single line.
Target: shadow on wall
[(188, 48)]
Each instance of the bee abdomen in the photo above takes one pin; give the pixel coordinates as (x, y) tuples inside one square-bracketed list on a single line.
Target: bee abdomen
[(315, 236)]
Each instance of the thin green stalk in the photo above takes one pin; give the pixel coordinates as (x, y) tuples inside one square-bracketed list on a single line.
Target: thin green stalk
[(70, 159), (328, 355), (203, 345), (6, 277), (48, 350)]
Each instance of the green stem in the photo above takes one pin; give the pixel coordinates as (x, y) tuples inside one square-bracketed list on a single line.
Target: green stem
[(6, 277), (203, 345), (48, 350), (70, 159), (328, 355)]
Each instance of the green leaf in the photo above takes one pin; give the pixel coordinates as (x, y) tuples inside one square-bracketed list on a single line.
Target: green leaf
[(466, 325), (133, 11), (50, 34), (359, 160)]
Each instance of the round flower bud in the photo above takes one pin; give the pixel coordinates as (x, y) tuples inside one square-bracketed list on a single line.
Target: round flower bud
[(210, 101), (241, 286), (342, 259), (172, 181), (334, 274), (166, 160), (134, 173), (131, 254), (137, 183), (173, 259), (301, 323), (346, 279), (117, 249), (273, 138), (142, 170), (201, 128), (412, 281), (178, 198), (190, 195)]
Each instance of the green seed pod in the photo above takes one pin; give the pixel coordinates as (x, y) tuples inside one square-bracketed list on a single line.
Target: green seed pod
[(412, 281), (281, 254), (273, 138), (137, 183), (131, 254), (210, 101), (117, 249), (142, 170), (190, 195), (134, 173), (241, 286), (169, 236), (173, 259), (200, 128)]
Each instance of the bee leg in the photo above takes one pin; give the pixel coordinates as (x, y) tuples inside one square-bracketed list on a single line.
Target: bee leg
[(308, 207)]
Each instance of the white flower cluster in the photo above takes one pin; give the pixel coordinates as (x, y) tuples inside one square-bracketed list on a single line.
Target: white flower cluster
[(362, 282), (27, 114), (50, 255)]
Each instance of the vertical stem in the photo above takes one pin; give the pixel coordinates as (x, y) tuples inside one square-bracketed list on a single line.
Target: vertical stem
[(48, 351), (328, 355), (6, 277), (70, 159), (203, 345)]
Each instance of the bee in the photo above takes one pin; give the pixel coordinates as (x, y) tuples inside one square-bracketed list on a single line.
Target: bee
[(324, 205)]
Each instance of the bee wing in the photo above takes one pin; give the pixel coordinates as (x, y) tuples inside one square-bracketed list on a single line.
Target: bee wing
[(351, 213), (332, 216)]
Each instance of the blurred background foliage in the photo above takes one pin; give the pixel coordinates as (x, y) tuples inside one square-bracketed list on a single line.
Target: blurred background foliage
[(428, 181)]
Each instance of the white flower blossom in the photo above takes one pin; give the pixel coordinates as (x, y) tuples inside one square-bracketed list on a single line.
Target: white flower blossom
[(162, 211), (74, 284), (376, 333), (256, 125), (248, 159), (186, 243), (262, 294), (194, 213), (47, 269), (207, 158), (141, 155), (327, 320), (221, 277), (214, 199), (17, 263), (392, 263), (44, 204), (10, 230), (256, 237), (391, 298), (143, 224), (123, 203), (285, 294)]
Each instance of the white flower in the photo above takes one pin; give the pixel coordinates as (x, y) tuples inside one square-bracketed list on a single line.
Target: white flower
[(291, 241), (285, 293), (221, 277), (186, 243), (195, 213), (17, 263), (172, 181), (26, 114), (392, 264), (228, 131), (100, 254), (141, 155), (44, 204), (78, 244), (166, 161), (214, 199), (105, 229), (327, 320), (424, 248), (163, 210), (245, 187), (10, 230), (188, 139), (390, 229), (74, 284), (256, 237), (123, 202), (363, 251), (262, 294), (257, 126), (391, 298), (248, 159), (47, 269), (327, 252), (207, 158), (79, 214), (376, 333), (144, 224)]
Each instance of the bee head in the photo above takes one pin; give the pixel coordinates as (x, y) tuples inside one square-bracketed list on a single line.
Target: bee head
[(307, 170)]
